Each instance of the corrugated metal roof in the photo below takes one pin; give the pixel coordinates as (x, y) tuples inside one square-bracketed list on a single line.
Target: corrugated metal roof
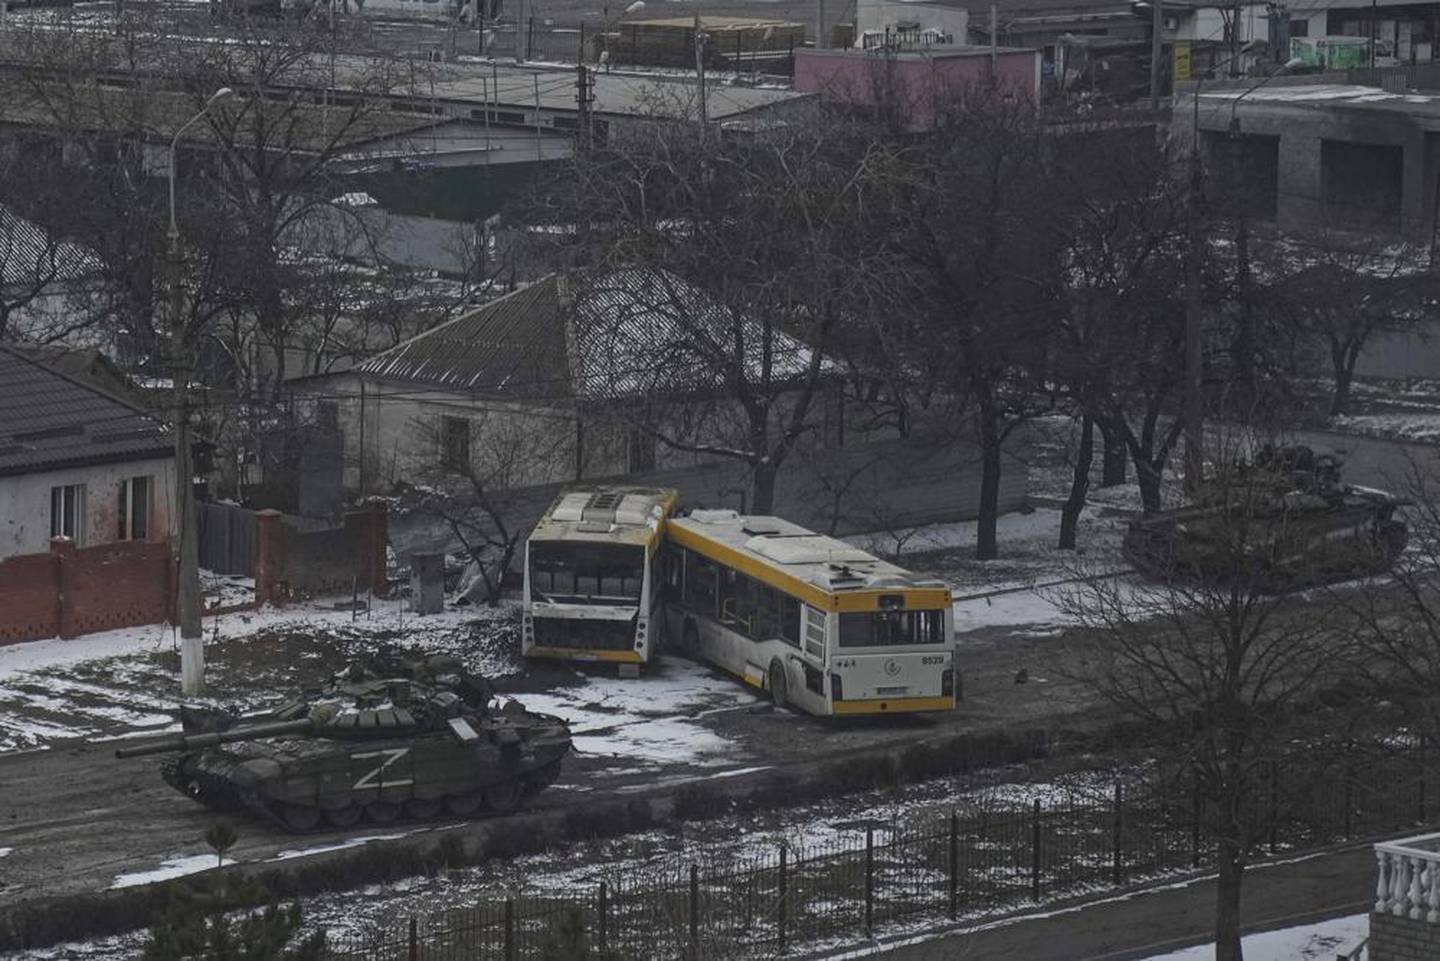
[(48, 421), (604, 335), (514, 345)]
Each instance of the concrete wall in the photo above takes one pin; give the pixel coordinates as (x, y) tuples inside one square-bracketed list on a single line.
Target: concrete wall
[(884, 485), (1303, 127), (25, 503), (396, 436)]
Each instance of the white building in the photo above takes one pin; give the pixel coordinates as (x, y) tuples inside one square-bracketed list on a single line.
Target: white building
[(77, 462)]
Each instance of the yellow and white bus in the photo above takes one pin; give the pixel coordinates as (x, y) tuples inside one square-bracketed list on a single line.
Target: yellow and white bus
[(823, 626), (591, 589)]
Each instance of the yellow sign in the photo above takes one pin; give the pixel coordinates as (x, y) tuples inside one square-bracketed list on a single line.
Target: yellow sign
[(1182, 60)]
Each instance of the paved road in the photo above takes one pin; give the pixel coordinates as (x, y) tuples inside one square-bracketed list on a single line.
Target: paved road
[(1143, 924)]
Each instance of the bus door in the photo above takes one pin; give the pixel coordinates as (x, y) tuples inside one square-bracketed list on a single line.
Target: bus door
[(813, 628)]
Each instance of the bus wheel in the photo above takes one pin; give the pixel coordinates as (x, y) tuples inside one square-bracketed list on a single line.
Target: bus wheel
[(690, 641), (778, 685)]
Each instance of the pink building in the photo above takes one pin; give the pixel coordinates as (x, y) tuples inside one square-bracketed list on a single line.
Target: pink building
[(912, 80)]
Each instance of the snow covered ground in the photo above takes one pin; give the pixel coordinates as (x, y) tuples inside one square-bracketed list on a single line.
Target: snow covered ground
[(649, 721), (1308, 942), (126, 682)]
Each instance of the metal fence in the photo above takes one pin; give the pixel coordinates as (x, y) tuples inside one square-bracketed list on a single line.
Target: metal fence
[(227, 538), (978, 860)]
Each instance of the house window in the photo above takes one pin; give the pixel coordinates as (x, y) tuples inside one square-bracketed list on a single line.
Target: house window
[(327, 415), (135, 508), (67, 512), (455, 442)]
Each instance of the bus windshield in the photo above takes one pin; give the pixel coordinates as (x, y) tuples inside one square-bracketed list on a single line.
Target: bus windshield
[(892, 628), (577, 572)]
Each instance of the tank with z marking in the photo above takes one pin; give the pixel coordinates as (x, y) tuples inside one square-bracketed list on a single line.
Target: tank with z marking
[(395, 736)]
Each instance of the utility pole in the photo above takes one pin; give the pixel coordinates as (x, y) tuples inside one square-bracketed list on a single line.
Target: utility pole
[(1194, 367), (700, 76), (1157, 24), (994, 40), (192, 651), (520, 34), (584, 96), (820, 43)]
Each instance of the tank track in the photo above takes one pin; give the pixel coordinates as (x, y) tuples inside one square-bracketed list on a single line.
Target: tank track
[(219, 794)]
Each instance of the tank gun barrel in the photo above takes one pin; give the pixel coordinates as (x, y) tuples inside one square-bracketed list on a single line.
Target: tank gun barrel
[(196, 742)]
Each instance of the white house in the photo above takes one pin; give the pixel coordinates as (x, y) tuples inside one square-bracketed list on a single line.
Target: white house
[(77, 462)]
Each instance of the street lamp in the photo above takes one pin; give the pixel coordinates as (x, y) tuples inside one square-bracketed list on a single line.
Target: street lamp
[(192, 651), (1244, 346), (1194, 366), (635, 7)]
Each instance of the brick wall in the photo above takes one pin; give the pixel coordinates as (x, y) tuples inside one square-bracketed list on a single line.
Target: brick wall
[(72, 591), (295, 563), (1403, 939)]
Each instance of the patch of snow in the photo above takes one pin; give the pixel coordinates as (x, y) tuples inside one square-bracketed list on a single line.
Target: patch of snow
[(653, 719), (1422, 427), (1309, 942), (341, 845), (169, 868)]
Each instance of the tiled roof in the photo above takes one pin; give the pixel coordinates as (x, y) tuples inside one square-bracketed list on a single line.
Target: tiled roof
[(48, 421), (609, 334), (27, 254)]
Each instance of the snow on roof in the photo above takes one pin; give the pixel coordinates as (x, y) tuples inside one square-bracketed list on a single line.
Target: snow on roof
[(600, 335), (1319, 93)]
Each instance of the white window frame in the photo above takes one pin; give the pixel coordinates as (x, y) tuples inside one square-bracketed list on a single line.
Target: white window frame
[(74, 512), (127, 507)]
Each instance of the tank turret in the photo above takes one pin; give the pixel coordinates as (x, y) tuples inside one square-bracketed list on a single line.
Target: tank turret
[(1285, 519), (394, 735)]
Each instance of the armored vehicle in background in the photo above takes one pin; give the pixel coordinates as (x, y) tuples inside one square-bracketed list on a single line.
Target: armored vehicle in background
[(1285, 520), (396, 735)]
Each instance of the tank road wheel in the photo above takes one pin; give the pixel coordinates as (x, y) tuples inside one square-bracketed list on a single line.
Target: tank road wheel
[(382, 812), (300, 818), (465, 805), (503, 797), (779, 687), (422, 809), (344, 817)]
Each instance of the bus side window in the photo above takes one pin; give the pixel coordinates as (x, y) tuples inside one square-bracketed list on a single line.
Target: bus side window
[(729, 595), (790, 620), (747, 591), (767, 614), (673, 560), (700, 585)]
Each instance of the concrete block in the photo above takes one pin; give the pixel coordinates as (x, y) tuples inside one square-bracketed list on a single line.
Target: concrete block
[(427, 583)]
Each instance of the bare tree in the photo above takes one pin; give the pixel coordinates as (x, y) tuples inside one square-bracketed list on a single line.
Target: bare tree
[(975, 274), (750, 249), (1123, 263), (480, 464), (1341, 290), (1227, 679)]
